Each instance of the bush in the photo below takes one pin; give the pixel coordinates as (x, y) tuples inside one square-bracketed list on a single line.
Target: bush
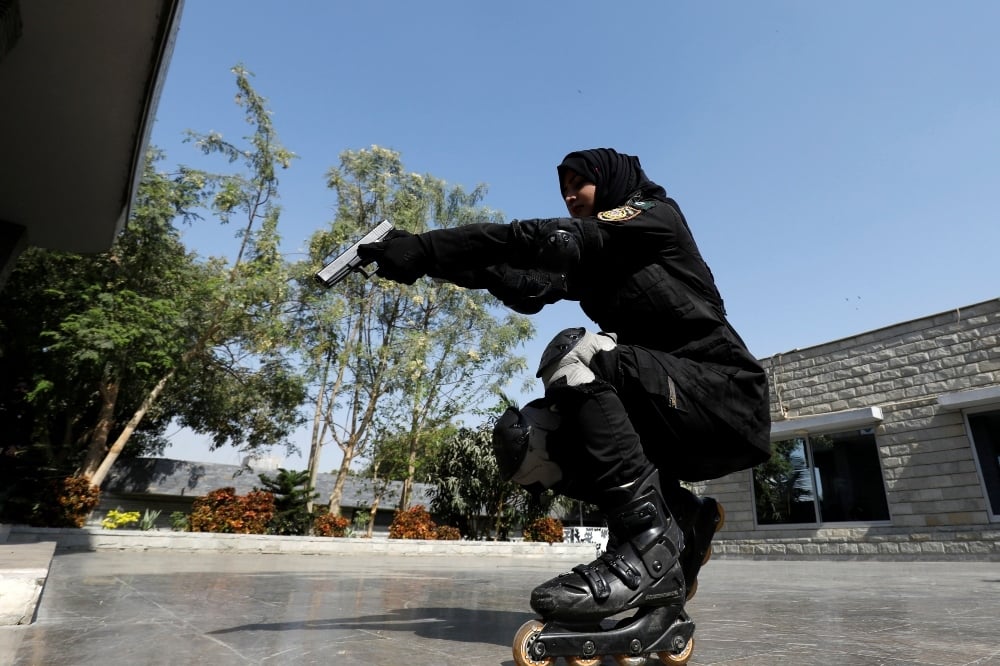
[(447, 533), (329, 525), (222, 510), (549, 530), (179, 521), (73, 498), (414, 523), (148, 520)]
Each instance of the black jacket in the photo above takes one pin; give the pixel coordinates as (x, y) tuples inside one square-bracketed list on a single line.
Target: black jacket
[(637, 272)]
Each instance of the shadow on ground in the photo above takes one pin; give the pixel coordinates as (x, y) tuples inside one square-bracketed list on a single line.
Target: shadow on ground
[(452, 624)]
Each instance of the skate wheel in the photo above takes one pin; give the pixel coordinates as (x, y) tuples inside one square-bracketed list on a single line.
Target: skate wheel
[(678, 658), (522, 640), (722, 517), (631, 660), (583, 661)]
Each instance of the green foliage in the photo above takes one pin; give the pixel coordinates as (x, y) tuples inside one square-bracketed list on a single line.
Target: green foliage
[(385, 357), (292, 494), (179, 521), (469, 492), (146, 333), (781, 482), (361, 521), (82, 337), (148, 520), (117, 518)]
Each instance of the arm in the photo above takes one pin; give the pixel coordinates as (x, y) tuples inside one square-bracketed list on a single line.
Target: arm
[(525, 264)]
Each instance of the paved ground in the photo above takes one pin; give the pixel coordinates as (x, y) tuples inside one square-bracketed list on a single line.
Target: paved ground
[(113, 608)]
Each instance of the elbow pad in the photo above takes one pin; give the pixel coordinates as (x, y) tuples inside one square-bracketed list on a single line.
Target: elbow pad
[(555, 245)]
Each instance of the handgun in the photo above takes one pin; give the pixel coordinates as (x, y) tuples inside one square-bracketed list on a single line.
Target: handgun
[(349, 261)]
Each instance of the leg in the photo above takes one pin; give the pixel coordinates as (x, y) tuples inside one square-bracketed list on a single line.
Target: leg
[(699, 519), (681, 438), (603, 458)]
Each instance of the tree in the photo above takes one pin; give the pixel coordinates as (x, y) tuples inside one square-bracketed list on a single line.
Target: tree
[(100, 352), (389, 460), (292, 493), (389, 357), (244, 390), (783, 482), (84, 336), (469, 492)]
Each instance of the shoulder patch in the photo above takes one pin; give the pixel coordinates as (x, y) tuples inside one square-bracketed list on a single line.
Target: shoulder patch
[(620, 214), (644, 204)]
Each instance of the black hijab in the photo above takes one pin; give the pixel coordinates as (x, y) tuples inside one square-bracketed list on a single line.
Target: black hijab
[(617, 176)]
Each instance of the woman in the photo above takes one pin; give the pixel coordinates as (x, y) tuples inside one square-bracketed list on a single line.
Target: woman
[(668, 392)]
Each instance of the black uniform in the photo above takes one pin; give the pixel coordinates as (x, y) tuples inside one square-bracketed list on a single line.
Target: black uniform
[(680, 376)]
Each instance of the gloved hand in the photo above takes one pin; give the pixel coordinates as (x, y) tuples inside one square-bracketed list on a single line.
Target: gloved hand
[(401, 257), (544, 245), (527, 291), (567, 357)]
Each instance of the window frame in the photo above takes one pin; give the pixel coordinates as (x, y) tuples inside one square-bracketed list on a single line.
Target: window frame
[(970, 402), (966, 413), (825, 424)]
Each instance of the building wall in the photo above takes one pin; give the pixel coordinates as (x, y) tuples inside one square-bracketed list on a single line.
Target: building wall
[(937, 502)]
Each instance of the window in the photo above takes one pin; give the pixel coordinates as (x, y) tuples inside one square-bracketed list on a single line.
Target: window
[(826, 478), (985, 430)]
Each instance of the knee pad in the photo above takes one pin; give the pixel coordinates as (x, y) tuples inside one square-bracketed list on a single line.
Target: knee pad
[(567, 357), (520, 447)]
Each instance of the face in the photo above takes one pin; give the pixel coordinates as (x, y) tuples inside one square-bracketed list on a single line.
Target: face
[(578, 194)]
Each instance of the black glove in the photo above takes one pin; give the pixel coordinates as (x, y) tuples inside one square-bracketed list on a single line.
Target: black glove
[(545, 244), (401, 257), (527, 291)]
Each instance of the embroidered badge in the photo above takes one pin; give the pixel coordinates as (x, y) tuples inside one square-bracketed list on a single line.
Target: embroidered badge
[(620, 214)]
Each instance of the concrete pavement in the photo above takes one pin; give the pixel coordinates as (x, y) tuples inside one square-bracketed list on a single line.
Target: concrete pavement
[(162, 607)]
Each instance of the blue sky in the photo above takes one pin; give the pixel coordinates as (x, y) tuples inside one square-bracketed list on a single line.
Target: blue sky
[(837, 162)]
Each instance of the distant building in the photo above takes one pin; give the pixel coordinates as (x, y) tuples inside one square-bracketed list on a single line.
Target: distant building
[(888, 445), (164, 485)]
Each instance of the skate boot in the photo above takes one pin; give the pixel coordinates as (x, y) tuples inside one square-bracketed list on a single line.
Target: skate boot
[(640, 571), (640, 568), (699, 520)]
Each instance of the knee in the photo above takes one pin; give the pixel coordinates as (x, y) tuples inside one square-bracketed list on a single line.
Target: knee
[(569, 355)]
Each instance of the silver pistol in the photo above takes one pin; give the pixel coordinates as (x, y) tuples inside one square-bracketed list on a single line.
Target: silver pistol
[(349, 261)]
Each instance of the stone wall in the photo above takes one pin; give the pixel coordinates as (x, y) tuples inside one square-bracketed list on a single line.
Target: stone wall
[(937, 503)]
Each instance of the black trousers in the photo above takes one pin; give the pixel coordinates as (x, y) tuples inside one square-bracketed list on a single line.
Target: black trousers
[(633, 418)]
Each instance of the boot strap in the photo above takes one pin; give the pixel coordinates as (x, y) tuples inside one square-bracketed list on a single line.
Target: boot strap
[(594, 580), (620, 567), (616, 564)]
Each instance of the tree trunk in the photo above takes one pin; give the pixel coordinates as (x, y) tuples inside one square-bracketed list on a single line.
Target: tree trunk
[(97, 478), (337, 494), (98, 447), (316, 445), (371, 515), (411, 471)]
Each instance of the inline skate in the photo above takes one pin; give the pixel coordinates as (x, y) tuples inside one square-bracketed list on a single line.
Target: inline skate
[(699, 520), (583, 611)]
